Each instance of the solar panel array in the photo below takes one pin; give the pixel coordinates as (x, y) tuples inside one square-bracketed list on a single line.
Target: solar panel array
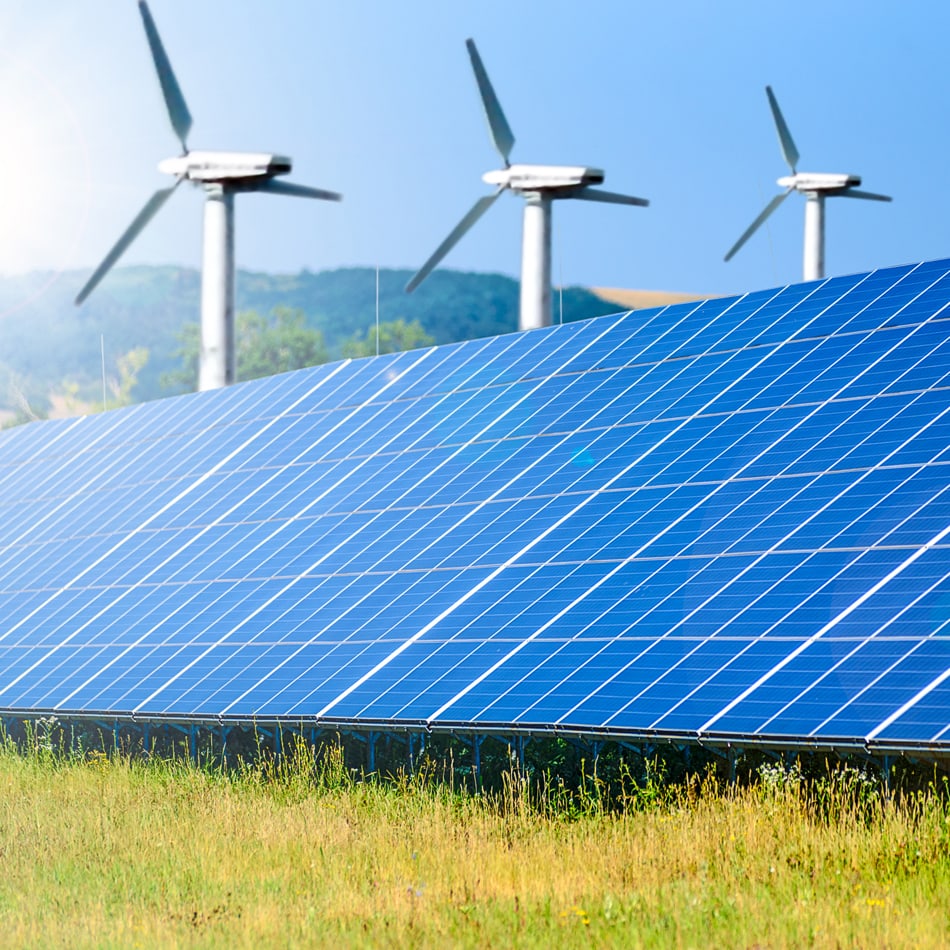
[(726, 518)]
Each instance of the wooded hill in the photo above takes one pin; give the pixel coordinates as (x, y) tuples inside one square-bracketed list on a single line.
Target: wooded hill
[(51, 351)]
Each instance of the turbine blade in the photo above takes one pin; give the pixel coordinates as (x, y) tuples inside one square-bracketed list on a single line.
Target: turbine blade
[(277, 187), (501, 134), (174, 100), (789, 152), (477, 210), (608, 197), (868, 195), (759, 221), (131, 233)]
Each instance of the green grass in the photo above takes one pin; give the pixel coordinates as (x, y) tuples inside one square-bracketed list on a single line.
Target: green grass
[(118, 852)]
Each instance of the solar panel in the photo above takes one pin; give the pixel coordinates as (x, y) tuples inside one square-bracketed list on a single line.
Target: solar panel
[(718, 519)]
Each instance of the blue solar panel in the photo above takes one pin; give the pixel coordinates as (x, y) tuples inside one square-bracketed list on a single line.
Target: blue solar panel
[(719, 519)]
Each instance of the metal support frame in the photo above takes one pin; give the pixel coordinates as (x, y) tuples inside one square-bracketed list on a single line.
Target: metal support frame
[(519, 740), (157, 732), (595, 752)]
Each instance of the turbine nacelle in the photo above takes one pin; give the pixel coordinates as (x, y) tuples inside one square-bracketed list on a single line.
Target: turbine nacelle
[(528, 178), (824, 182), (225, 166)]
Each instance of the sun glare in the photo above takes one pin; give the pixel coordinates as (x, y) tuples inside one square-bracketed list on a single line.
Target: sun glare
[(45, 184)]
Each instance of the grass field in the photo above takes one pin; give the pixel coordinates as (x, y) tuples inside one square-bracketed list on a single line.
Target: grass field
[(104, 851)]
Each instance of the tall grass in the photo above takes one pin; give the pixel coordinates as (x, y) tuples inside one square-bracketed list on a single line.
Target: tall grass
[(113, 851)]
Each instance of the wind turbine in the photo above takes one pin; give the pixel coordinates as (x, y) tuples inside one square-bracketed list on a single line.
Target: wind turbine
[(539, 185), (222, 175), (815, 186)]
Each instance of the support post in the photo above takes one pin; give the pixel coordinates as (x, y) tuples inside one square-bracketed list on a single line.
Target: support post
[(371, 752), (477, 761), (536, 263), (193, 744), (216, 362)]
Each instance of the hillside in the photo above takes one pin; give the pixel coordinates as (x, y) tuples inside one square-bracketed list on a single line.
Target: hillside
[(51, 352)]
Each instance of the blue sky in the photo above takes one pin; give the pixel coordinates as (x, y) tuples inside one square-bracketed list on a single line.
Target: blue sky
[(377, 100)]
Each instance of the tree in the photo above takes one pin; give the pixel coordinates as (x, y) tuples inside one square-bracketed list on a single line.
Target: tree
[(263, 346), (394, 337), (20, 405), (72, 398), (128, 365)]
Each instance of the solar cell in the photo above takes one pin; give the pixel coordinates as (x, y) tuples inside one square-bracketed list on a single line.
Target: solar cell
[(724, 519)]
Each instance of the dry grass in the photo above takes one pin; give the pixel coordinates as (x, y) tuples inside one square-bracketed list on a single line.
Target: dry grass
[(642, 299), (117, 853)]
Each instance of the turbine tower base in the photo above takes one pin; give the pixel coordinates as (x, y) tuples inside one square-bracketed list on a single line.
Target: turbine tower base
[(814, 255), (217, 361), (535, 308)]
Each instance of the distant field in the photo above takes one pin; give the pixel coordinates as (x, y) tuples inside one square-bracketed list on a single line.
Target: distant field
[(117, 853), (642, 299)]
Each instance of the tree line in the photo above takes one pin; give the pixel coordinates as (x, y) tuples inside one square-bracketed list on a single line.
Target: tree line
[(137, 339)]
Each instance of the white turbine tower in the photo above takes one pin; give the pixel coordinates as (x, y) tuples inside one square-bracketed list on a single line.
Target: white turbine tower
[(222, 175), (539, 185), (815, 186)]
